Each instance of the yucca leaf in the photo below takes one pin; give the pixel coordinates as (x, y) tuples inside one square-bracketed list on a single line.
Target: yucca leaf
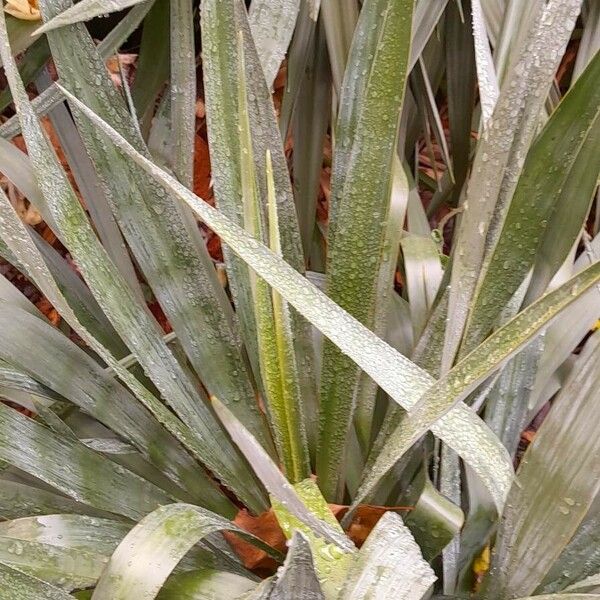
[(507, 404), (25, 587), (276, 354), (517, 20), (297, 578), (222, 23), (204, 584), (64, 567), (331, 561), (79, 532), (20, 500), (339, 21), (552, 195), (277, 485), (385, 310), (370, 104), (162, 539), (460, 81), (90, 187), (472, 370), (272, 23), (38, 451), (16, 166), (91, 388), (389, 565), (486, 74), (586, 586), (401, 379), (426, 17), (183, 90), (557, 483), (434, 521), (423, 271), (300, 60), (310, 119), (290, 401), (166, 244), (580, 558), (499, 157), (84, 11), (152, 70)]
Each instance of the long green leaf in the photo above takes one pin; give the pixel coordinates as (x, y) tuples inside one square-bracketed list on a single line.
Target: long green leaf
[(25, 587), (183, 90), (499, 159), (432, 408), (273, 326), (398, 376), (222, 23), (21, 500), (580, 558), (272, 23), (84, 11), (97, 481), (370, 104), (557, 482), (132, 320), (549, 205)]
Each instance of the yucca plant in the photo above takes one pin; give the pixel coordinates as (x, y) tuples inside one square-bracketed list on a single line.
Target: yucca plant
[(406, 195)]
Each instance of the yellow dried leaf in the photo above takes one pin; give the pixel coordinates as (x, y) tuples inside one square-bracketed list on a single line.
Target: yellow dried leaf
[(23, 9)]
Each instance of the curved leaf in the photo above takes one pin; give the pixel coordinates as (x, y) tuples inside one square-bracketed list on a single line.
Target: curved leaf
[(161, 540)]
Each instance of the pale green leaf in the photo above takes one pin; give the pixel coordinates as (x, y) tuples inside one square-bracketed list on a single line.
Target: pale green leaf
[(204, 584), (548, 207), (331, 560), (222, 23), (272, 23), (84, 11), (161, 539), (557, 482), (389, 565), (499, 159), (401, 379), (297, 578), (432, 408), (25, 587), (370, 103)]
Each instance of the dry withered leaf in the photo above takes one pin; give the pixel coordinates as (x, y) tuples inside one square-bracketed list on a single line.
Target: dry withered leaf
[(202, 177)]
